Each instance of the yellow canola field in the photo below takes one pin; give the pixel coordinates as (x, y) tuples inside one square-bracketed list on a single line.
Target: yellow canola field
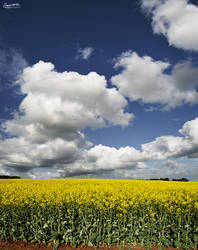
[(103, 194)]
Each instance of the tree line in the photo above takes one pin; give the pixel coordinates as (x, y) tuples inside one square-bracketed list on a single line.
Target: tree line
[(9, 177), (167, 179)]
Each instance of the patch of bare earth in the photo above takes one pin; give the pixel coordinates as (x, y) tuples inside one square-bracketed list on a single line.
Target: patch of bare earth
[(22, 245)]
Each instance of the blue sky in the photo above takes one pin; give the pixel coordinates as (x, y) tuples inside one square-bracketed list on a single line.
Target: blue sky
[(99, 89)]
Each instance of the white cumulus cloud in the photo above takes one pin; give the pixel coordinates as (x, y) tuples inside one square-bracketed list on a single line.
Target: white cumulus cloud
[(144, 79), (164, 147), (105, 161), (177, 20), (108, 161), (45, 138), (46, 131)]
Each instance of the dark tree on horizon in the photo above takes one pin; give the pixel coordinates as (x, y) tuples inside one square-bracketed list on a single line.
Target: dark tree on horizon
[(9, 177)]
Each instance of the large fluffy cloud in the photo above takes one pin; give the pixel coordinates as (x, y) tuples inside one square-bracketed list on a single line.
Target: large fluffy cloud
[(45, 132), (132, 162), (177, 20), (102, 160), (45, 139), (165, 147), (145, 79), (162, 148), (127, 162), (69, 99)]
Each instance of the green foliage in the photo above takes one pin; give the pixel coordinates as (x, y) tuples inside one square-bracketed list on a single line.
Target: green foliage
[(90, 226)]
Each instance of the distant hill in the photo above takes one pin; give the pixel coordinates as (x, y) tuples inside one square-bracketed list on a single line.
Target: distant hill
[(9, 177)]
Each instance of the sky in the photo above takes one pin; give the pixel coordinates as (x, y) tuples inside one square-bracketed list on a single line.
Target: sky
[(99, 89)]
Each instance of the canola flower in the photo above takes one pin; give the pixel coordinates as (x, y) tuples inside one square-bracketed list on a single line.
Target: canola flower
[(103, 194), (100, 211)]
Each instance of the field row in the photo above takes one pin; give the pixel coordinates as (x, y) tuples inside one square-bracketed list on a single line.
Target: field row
[(95, 212)]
